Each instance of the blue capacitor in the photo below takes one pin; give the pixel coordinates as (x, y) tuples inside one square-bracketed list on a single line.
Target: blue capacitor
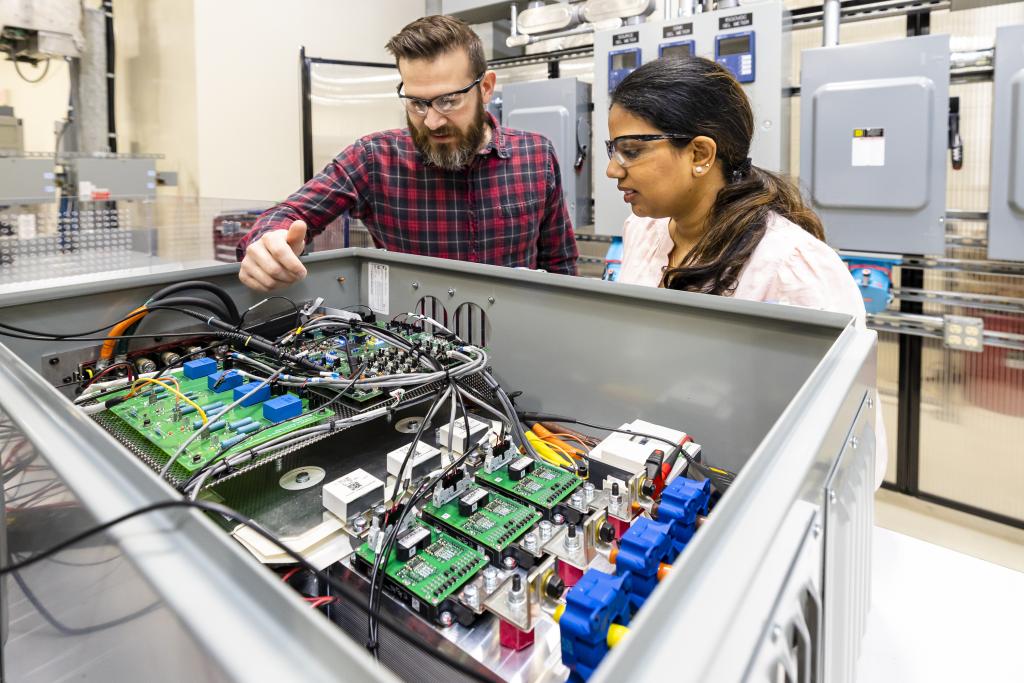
[(214, 426), (282, 408), (201, 367), (262, 393), (238, 424), (225, 380)]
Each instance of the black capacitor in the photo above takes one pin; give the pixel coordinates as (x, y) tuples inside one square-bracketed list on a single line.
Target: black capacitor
[(472, 501), (412, 542), (520, 468)]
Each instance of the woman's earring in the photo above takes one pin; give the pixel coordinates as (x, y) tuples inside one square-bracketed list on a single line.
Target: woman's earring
[(700, 169)]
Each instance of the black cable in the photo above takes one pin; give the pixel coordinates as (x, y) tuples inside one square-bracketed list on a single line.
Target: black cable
[(46, 70), (343, 589), (216, 290), (298, 313)]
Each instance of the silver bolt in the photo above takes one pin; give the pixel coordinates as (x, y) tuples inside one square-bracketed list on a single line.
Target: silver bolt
[(572, 539), (490, 299), (545, 530), (530, 541), (490, 579), (359, 523), (558, 518), (870, 402), (854, 442), (415, 285), (446, 619), (832, 497), (451, 291), (776, 632), (517, 593), (509, 562), (379, 510), (471, 596), (816, 530), (576, 500), (588, 491)]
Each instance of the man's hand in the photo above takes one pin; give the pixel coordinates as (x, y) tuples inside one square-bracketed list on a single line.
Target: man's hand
[(273, 261)]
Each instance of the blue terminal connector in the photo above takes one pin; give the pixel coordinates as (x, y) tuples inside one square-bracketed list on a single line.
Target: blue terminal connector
[(641, 551), (596, 602), (681, 501)]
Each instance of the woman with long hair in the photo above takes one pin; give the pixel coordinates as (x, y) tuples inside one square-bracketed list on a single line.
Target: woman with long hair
[(705, 219)]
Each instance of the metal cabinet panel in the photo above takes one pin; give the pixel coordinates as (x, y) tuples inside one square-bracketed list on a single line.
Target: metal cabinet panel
[(1006, 189)]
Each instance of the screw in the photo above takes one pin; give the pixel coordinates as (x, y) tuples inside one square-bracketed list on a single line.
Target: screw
[(302, 477), (854, 442), (415, 285), (446, 619), (517, 595), (832, 497), (379, 510), (816, 530), (359, 523), (776, 632), (490, 299), (572, 541), (490, 579), (54, 361), (870, 402), (545, 530), (341, 279), (509, 562), (471, 596), (576, 500), (530, 541), (588, 491), (558, 518), (451, 291), (67, 380)]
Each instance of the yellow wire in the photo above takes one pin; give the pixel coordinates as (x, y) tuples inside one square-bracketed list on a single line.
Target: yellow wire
[(545, 451), (183, 397)]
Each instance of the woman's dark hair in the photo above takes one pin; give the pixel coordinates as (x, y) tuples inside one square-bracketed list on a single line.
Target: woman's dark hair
[(695, 96)]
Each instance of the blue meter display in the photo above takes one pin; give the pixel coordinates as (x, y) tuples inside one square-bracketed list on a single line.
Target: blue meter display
[(621, 63), (678, 50), (736, 53)]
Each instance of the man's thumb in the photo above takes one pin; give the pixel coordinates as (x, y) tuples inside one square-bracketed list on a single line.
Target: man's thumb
[(297, 236)]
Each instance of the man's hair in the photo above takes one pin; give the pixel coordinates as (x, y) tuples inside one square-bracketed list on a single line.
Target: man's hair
[(430, 37)]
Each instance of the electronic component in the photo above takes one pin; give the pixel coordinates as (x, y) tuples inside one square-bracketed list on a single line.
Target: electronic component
[(736, 53), (411, 542), (488, 520), (224, 380), (355, 492), (520, 468), (201, 367), (477, 431), (282, 408), (428, 580), (425, 459), (542, 485), (261, 394)]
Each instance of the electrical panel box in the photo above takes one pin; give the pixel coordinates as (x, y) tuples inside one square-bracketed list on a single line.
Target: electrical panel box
[(558, 109), (121, 177), (26, 180), (1006, 189), (747, 40), (873, 141)]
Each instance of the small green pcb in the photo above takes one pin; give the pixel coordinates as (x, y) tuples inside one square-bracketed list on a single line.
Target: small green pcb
[(152, 414), (543, 485), (432, 574), (494, 524)]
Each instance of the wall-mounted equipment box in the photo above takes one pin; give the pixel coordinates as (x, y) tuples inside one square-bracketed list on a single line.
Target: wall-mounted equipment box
[(873, 140), (558, 109), (1006, 188)]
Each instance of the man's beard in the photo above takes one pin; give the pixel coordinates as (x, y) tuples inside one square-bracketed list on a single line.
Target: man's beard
[(451, 155)]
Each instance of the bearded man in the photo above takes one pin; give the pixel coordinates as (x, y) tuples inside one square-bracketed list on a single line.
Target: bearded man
[(454, 184)]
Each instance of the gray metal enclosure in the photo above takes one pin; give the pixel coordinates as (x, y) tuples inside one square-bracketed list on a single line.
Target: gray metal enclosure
[(780, 393)]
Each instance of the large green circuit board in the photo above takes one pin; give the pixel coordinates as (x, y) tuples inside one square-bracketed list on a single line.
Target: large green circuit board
[(494, 525), (544, 485), (434, 573), (152, 415)]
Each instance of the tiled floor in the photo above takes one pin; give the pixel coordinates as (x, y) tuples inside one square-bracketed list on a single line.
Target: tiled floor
[(958, 531)]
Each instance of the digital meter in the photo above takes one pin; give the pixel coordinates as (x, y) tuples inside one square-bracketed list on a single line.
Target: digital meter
[(735, 51)]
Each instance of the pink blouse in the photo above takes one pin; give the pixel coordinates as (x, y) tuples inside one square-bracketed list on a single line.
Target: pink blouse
[(789, 266)]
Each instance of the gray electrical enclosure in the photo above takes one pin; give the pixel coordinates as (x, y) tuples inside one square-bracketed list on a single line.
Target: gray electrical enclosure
[(558, 109), (1006, 187), (26, 180), (124, 177), (873, 140), (748, 40)]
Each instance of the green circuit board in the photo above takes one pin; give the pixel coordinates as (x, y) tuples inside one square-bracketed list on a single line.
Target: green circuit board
[(495, 525), (544, 486), (152, 415), (434, 573)]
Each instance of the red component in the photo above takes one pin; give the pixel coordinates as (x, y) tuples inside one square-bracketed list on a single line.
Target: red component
[(512, 638), (570, 574), (620, 526)]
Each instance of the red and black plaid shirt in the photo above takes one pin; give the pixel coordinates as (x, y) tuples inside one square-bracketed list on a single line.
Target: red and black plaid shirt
[(506, 208)]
